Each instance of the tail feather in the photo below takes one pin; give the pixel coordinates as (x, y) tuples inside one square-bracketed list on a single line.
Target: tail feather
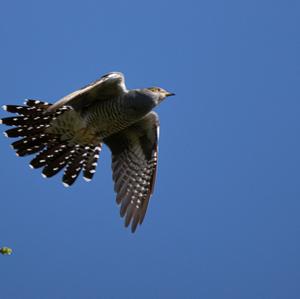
[(26, 121), (37, 104), (89, 167), (22, 110), (25, 131), (84, 158), (32, 107), (44, 156), (54, 154), (74, 167), (35, 146), (29, 151), (30, 141), (34, 114), (53, 167)]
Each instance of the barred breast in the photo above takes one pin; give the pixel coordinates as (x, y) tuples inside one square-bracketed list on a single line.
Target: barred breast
[(108, 117)]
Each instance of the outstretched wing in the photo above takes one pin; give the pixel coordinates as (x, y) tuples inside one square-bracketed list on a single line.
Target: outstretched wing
[(108, 86), (134, 160)]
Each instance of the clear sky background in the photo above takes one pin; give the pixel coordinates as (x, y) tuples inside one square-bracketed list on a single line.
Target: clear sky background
[(224, 220)]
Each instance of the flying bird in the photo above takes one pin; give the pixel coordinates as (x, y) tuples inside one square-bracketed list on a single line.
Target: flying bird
[(69, 135)]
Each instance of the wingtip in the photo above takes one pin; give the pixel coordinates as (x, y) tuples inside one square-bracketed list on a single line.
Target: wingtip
[(87, 179), (4, 107), (133, 229), (66, 185)]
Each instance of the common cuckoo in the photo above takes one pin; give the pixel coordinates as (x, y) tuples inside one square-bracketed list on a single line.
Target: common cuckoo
[(69, 135)]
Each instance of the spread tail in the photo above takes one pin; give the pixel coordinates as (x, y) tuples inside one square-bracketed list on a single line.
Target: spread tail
[(54, 151)]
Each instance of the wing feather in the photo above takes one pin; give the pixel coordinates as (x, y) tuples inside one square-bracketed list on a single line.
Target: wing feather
[(107, 87), (134, 162)]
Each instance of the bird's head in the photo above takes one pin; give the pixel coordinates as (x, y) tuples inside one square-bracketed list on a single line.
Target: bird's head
[(160, 92)]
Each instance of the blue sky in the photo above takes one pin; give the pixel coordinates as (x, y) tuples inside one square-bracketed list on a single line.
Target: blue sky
[(224, 219)]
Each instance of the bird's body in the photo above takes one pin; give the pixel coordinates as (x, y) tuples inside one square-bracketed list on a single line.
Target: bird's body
[(110, 116), (69, 135)]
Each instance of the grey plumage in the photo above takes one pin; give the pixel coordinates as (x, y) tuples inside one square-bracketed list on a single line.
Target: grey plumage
[(69, 135)]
